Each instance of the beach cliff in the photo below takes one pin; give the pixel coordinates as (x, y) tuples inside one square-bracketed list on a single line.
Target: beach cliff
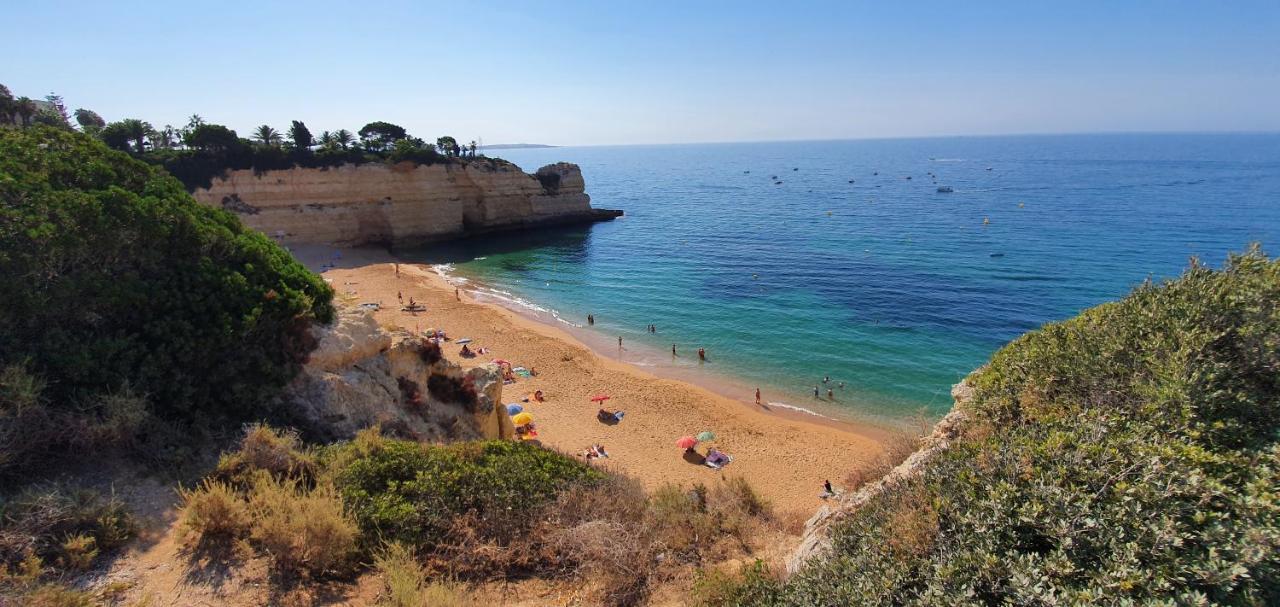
[(405, 204)]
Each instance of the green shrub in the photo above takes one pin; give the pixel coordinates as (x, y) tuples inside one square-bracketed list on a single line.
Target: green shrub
[(1127, 456), (414, 494), (114, 278)]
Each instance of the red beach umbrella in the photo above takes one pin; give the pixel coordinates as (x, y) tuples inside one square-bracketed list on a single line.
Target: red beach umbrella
[(599, 398), (686, 442)]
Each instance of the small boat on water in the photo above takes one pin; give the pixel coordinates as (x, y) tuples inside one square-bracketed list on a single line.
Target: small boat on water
[(945, 189), (997, 254)]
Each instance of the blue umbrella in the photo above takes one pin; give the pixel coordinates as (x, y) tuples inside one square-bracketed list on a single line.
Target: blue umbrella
[(514, 408)]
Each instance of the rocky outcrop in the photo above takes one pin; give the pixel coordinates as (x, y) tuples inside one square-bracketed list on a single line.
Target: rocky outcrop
[(403, 204), (816, 541), (360, 375)]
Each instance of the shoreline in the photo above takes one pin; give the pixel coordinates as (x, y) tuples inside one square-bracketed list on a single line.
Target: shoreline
[(785, 455), (719, 383), (649, 359)]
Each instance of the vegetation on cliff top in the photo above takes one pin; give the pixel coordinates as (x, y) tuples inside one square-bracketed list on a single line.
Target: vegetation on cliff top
[(200, 151), (1130, 455)]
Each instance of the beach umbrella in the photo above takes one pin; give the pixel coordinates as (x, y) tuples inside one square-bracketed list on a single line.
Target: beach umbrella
[(706, 435), (600, 398), (464, 341), (514, 408), (686, 442), (521, 419)]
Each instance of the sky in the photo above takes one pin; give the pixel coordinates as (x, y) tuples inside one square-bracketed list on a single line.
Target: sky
[(598, 73)]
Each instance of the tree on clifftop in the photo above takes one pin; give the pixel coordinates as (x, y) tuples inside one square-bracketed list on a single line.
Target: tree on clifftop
[(211, 137), (300, 135), (378, 136), (448, 146), (267, 135), (89, 121)]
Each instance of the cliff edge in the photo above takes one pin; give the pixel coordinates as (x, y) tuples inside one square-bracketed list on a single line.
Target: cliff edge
[(405, 204), (816, 541)]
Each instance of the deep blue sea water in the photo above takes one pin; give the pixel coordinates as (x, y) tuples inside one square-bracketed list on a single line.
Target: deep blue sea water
[(849, 269)]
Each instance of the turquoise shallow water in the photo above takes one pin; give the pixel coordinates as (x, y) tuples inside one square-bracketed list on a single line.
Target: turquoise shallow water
[(848, 269)]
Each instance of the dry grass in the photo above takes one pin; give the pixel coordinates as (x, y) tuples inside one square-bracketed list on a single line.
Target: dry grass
[(898, 446), (405, 585), (303, 530), (213, 514), (278, 452)]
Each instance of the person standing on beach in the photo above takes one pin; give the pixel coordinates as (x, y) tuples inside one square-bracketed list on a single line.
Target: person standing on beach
[(457, 294), (757, 396), (397, 270), (619, 343), (673, 349), (591, 319), (827, 485)]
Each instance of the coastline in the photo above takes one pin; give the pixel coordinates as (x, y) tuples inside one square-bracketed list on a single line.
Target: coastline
[(786, 456), (642, 358)]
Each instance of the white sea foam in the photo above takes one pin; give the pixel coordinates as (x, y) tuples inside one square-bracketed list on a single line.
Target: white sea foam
[(445, 271), (800, 410)]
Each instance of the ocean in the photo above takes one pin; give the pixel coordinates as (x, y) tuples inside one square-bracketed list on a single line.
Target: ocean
[(791, 262)]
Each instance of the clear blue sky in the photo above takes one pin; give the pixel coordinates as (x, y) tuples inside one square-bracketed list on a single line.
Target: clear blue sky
[(609, 72)]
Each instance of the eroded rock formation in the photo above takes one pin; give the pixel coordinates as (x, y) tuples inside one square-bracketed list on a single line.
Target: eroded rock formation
[(361, 375), (403, 204)]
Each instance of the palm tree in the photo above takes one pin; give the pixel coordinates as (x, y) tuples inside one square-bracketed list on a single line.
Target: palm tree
[(137, 131), (328, 141), (344, 138), (194, 121), (267, 135), (25, 108)]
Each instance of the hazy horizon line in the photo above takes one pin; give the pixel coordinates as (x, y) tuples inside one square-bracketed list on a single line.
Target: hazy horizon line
[(906, 137)]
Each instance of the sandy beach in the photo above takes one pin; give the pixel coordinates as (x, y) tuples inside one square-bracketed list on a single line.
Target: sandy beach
[(786, 457)]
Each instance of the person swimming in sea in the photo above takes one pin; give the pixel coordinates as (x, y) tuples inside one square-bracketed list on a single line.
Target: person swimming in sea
[(673, 349), (830, 395), (702, 354), (815, 392), (826, 379)]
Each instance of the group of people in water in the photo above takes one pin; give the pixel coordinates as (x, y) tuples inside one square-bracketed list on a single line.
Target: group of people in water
[(653, 330), (831, 395)]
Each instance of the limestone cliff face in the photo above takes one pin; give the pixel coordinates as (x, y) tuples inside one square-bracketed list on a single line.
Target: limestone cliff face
[(816, 541), (403, 204), (358, 375)]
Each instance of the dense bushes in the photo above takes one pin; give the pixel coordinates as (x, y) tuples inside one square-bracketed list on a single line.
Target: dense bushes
[(114, 279), (470, 511), (1129, 455), (402, 491)]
